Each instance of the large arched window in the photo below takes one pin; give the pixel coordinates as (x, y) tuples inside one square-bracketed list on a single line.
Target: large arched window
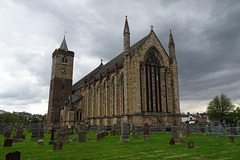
[(150, 78)]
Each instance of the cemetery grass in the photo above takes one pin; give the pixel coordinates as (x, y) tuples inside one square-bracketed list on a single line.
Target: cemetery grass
[(206, 147)]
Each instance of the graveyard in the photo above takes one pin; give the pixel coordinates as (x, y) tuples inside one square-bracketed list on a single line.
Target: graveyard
[(197, 144)]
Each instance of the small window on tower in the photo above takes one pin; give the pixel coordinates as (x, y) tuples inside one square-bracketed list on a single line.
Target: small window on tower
[(62, 86), (64, 60)]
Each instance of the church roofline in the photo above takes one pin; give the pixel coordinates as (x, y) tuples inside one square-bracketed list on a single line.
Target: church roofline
[(119, 59)]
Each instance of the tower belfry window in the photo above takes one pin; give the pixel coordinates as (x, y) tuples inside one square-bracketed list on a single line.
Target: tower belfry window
[(64, 60)]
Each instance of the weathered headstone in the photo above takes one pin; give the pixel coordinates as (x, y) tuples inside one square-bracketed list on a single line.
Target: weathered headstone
[(70, 129), (190, 144), (231, 139), (45, 128), (8, 143), (174, 133), (172, 142), (145, 132), (7, 134), (41, 133), (82, 134), (187, 130), (100, 136), (133, 131), (180, 136), (19, 134), (64, 135), (13, 155), (34, 135), (124, 133), (58, 145), (40, 142), (52, 141)]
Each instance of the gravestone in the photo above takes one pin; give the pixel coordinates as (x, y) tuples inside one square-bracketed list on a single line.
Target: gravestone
[(172, 142), (187, 130), (64, 135), (51, 141), (13, 155), (7, 134), (70, 129), (174, 133), (34, 135), (124, 133), (8, 143), (133, 131), (231, 139), (19, 134), (100, 136), (180, 136), (41, 133), (190, 144), (82, 134), (40, 142), (45, 129), (145, 132), (58, 145)]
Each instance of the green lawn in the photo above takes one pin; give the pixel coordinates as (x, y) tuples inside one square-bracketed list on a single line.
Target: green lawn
[(206, 147)]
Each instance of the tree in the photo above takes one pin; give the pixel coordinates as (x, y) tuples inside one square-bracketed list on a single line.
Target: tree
[(11, 117), (44, 118), (219, 108), (35, 120)]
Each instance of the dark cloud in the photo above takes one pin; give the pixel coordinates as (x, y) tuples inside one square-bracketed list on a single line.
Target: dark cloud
[(206, 35)]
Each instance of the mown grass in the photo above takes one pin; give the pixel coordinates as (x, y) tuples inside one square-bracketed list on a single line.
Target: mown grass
[(206, 147)]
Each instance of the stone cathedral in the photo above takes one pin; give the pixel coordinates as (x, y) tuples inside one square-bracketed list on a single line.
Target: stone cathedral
[(139, 85)]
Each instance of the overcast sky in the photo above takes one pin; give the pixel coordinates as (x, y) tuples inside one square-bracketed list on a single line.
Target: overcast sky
[(206, 35)]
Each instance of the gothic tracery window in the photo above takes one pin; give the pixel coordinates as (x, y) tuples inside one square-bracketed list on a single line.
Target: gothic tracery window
[(150, 79)]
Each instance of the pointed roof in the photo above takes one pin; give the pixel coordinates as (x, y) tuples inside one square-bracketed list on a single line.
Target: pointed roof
[(171, 41), (64, 45), (119, 59), (126, 27)]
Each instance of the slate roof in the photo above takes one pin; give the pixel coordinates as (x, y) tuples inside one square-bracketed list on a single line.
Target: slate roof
[(111, 64)]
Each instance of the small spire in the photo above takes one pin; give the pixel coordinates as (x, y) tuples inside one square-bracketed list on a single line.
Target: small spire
[(171, 41), (126, 28), (64, 43), (101, 62)]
